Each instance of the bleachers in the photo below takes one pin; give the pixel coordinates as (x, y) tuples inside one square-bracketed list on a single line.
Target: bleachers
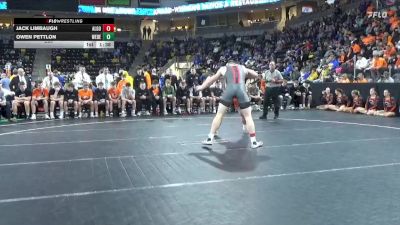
[(17, 57), (122, 56)]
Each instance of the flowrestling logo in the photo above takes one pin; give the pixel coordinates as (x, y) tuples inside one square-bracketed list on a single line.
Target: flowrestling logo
[(380, 15)]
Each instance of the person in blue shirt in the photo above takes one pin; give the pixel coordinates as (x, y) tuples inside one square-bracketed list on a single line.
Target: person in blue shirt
[(5, 81)]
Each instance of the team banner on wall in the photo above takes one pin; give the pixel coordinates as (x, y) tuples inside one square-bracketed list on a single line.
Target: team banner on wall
[(198, 7)]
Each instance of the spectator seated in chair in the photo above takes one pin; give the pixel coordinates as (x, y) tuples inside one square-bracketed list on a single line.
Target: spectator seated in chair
[(207, 98), (56, 99), (143, 99), (114, 96), (216, 91), (40, 98), (22, 98), (169, 94), (196, 97), (85, 100), (389, 105), (285, 97), (296, 92), (5, 104), (183, 97), (255, 95), (128, 98), (306, 95), (100, 99), (156, 98), (71, 99)]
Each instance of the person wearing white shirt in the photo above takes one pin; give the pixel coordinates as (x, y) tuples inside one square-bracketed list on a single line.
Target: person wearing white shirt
[(49, 81), (361, 63), (106, 78), (80, 78), (5, 104), (386, 78)]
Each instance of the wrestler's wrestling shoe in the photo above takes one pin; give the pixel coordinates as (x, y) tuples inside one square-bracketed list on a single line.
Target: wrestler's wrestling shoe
[(208, 141), (256, 144)]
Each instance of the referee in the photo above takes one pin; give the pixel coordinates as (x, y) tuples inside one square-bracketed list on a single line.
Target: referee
[(273, 79)]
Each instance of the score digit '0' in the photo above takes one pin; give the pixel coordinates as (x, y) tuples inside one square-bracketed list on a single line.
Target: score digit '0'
[(108, 28)]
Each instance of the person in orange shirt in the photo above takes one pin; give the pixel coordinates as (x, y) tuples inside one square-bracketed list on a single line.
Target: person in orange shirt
[(114, 96), (40, 98), (147, 78), (360, 79), (356, 48), (344, 79), (263, 86), (379, 65), (122, 83), (368, 40), (389, 52), (85, 100)]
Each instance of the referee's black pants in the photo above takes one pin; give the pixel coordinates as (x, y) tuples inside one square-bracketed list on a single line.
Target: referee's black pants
[(271, 95)]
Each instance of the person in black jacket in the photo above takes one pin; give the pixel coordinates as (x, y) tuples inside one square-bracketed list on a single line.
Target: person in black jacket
[(14, 84), (183, 96), (285, 97), (296, 93), (100, 99), (143, 99), (156, 97), (138, 79), (192, 78)]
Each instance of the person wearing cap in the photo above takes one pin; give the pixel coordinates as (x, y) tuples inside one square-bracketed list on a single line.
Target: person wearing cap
[(273, 80), (56, 98)]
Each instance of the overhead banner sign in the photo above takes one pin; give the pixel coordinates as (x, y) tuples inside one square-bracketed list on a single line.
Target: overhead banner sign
[(198, 7)]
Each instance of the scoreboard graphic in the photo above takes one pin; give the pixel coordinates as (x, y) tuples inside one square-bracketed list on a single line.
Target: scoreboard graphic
[(64, 33)]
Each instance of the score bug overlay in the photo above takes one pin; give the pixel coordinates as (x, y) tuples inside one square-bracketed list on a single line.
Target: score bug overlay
[(64, 33)]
